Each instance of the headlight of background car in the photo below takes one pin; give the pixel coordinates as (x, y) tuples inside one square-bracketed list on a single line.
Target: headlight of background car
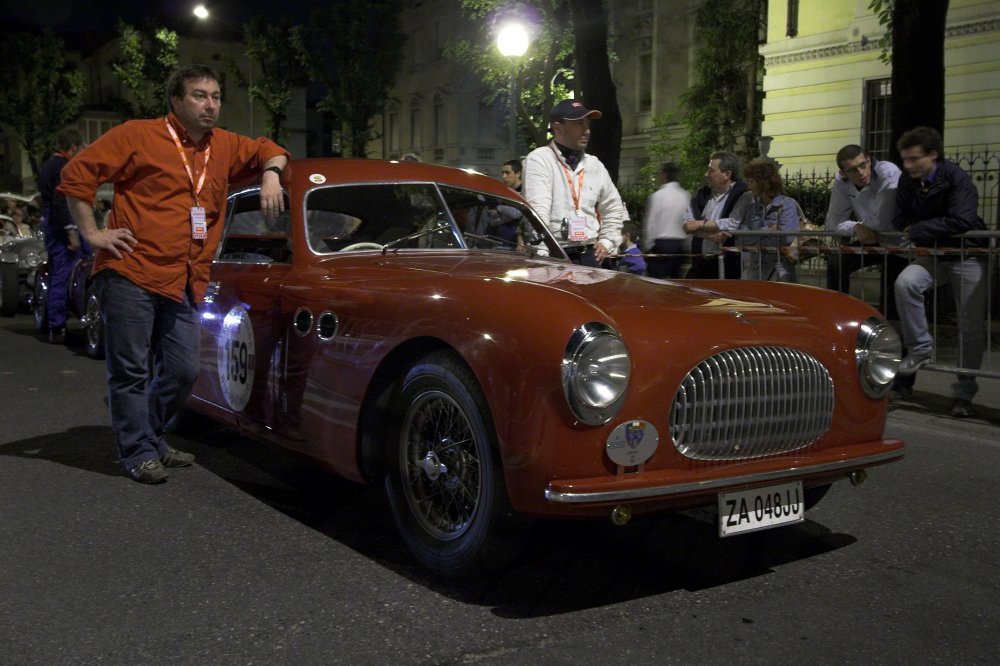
[(595, 373), (31, 260), (878, 353)]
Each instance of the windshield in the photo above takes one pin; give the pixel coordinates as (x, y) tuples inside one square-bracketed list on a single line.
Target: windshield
[(367, 217)]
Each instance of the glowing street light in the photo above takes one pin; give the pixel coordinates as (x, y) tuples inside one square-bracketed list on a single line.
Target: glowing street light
[(202, 14), (512, 42)]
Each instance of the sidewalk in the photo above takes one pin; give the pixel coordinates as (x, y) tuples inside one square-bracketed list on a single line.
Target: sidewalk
[(932, 393)]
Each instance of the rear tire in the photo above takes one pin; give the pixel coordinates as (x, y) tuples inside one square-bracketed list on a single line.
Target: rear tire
[(443, 474), (93, 324), (9, 289)]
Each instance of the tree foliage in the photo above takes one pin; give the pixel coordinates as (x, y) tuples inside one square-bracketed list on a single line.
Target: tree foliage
[(543, 75), (147, 57), (721, 110), (353, 48), (42, 92), (269, 45)]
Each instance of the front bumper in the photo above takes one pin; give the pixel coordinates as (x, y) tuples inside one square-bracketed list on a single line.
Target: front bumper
[(708, 480)]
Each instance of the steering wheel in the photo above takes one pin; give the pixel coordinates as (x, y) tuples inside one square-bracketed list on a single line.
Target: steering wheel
[(364, 245)]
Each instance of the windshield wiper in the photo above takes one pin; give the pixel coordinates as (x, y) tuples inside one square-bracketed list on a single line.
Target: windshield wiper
[(417, 234)]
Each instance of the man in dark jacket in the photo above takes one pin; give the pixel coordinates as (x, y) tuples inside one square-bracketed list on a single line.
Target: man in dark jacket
[(934, 204), (722, 198), (62, 241)]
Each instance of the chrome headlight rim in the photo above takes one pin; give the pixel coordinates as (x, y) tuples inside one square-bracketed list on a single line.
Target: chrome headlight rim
[(878, 353), (612, 379)]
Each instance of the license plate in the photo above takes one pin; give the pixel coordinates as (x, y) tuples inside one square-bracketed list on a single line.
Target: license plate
[(761, 508)]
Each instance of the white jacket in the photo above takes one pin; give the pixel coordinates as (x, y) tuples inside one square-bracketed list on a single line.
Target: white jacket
[(546, 187)]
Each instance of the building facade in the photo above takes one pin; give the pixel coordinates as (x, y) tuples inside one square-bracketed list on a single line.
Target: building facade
[(826, 87)]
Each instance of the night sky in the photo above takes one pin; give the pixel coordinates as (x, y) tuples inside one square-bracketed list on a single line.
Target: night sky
[(76, 19)]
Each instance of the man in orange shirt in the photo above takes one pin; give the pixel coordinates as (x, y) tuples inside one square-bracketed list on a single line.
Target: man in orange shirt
[(154, 254)]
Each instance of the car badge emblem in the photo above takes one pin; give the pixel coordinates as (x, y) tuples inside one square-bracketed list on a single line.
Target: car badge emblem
[(317, 178)]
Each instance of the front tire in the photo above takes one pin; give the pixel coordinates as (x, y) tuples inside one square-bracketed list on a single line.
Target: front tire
[(40, 305), (444, 478)]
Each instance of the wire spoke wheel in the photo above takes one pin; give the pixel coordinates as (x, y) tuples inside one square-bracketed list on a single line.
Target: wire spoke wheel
[(442, 465)]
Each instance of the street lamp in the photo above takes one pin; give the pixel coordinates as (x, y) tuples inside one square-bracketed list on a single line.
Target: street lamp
[(202, 14), (512, 42)]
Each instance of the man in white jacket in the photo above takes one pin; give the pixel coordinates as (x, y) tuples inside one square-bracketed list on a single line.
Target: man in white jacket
[(572, 191)]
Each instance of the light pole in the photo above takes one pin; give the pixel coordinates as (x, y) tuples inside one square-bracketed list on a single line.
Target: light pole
[(512, 42), (202, 14)]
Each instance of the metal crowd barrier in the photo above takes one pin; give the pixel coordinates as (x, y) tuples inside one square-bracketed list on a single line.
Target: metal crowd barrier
[(815, 249)]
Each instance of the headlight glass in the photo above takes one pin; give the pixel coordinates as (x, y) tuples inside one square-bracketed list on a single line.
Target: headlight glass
[(878, 353), (596, 369)]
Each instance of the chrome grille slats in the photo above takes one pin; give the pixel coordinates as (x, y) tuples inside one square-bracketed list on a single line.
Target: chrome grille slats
[(751, 402)]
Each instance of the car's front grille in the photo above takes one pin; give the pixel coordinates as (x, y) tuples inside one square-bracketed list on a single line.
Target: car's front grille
[(751, 402)]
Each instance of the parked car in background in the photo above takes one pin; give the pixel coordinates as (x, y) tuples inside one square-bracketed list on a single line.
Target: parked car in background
[(81, 302), (19, 259), (381, 328)]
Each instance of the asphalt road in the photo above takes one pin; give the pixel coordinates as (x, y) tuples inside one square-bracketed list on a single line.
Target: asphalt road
[(254, 557)]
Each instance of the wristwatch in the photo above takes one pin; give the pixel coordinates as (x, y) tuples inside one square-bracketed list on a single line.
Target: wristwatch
[(275, 169)]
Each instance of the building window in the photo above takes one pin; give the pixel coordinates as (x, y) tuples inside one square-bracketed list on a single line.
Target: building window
[(438, 119), (792, 26), (645, 83), (392, 132), (415, 133), (878, 118)]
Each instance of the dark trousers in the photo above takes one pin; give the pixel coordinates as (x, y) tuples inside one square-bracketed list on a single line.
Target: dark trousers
[(839, 268), (61, 261), (584, 255), (707, 268), (668, 266), (136, 323)]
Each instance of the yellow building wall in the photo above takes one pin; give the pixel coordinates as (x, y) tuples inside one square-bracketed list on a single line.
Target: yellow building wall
[(814, 83)]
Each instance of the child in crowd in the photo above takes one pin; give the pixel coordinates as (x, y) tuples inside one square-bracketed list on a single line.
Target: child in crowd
[(630, 257)]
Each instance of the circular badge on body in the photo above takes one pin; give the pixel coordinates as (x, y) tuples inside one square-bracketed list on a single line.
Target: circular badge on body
[(237, 358), (317, 178), (632, 443)]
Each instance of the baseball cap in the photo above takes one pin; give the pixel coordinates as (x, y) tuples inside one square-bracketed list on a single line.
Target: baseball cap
[(571, 109)]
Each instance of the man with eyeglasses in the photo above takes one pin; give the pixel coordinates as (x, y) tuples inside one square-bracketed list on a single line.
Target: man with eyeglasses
[(862, 205), (572, 191)]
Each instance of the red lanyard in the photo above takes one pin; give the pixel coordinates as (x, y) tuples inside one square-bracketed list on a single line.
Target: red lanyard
[(573, 192), (195, 188)]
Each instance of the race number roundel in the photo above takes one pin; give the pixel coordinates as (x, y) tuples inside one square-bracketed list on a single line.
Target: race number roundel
[(237, 358)]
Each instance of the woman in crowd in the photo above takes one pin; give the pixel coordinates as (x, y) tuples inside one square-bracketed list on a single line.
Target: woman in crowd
[(770, 210)]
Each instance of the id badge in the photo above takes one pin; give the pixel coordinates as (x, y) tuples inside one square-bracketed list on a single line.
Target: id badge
[(199, 230), (578, 228)]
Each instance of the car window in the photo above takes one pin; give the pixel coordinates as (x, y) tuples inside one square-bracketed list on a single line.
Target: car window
[(249, 237), (494, 223), (359, 217)]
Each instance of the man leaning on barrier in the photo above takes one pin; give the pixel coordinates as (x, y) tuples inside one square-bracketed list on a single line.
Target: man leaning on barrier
[(934, 203), (862, 206)]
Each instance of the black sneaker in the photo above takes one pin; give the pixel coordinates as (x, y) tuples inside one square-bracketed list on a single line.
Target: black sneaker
[(150, 471), (961, 408), (175, 458)]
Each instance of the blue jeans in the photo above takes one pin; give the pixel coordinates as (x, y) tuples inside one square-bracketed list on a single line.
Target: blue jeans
[(139, 325), (968, 283)]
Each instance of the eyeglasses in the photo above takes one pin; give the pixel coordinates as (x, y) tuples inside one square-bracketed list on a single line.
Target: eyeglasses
[(856, 169)]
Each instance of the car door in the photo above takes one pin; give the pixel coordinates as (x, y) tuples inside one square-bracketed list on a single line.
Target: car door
[(240, 322)]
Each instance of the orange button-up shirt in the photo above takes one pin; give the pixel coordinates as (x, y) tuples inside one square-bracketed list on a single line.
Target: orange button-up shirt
[(154, 196)]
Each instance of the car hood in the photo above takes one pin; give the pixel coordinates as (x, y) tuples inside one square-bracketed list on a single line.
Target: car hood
[(619, 296)]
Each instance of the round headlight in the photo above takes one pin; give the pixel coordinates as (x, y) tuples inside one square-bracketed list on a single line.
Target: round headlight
[(595, 373), (878, 353)]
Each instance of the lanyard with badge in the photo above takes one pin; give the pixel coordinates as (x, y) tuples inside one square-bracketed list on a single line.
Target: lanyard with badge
[(577, 229), (199, 228)]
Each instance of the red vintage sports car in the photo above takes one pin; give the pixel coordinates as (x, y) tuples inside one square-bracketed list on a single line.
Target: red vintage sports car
[(416, 326)]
